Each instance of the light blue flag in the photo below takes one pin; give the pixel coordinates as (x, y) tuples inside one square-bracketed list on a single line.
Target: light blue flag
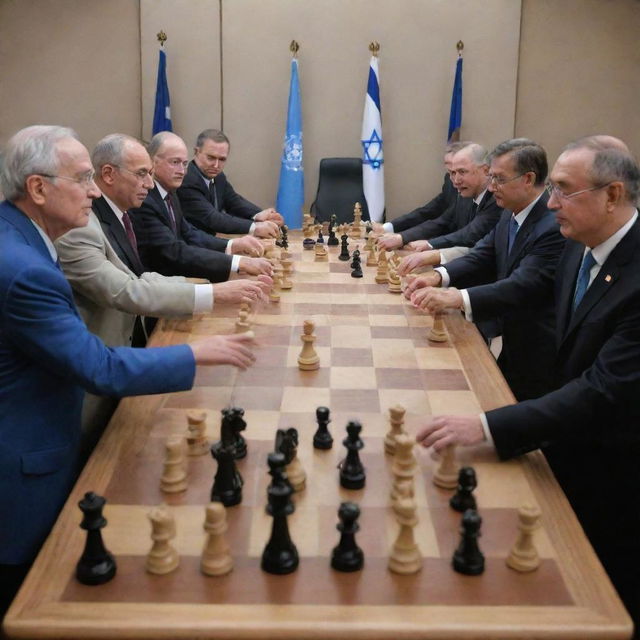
[(290, 197), (162, 111), (455, 115)]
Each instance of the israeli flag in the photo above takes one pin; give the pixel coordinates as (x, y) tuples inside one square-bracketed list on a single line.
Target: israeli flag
[(372, 147), (290, 196), (162, 111)]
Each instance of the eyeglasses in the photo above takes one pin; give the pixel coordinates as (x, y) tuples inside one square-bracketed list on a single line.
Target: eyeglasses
[(141, 174), (552, 189), (176, 163), (502, 181), (84, 181)]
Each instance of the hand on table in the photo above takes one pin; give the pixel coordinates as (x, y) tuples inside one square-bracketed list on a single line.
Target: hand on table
[(442, 431), (419, 245), (269, 214), (248, 245), (432, 299), (417, 260), (390, 241), (255, 267), (266, 229), (242, 290), (433, 279), (234, 350)]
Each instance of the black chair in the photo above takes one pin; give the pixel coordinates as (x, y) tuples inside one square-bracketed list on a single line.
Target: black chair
[(339, 188)]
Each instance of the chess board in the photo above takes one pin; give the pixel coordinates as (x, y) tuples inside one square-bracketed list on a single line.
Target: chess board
[(374, 354)]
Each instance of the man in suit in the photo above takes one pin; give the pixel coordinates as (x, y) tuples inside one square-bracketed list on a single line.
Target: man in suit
[(588, 426), (47, 355), (168, 243), (432, 209), (509, 274), (210, 202), (473, 214)]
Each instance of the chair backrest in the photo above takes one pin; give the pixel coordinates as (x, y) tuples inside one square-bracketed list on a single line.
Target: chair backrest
[(339, 188)]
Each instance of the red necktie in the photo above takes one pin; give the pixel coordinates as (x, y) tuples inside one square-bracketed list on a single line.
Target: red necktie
[(172, 217), (128, 227)]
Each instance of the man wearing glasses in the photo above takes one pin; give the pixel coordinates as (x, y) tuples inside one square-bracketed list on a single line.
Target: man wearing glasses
[(508, 275), (588, 426)]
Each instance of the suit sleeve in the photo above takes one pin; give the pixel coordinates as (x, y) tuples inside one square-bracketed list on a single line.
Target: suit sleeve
[(236, 205), (478, 266), (40, 320), (431, 228), (197, 238), (468, 235), (83, 257), (429, 211)]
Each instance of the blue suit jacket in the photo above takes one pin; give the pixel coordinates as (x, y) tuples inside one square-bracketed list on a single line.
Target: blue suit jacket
[(47, 358)]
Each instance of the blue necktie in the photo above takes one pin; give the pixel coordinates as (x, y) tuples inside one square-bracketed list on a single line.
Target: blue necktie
[(583, 278), (513, 230)]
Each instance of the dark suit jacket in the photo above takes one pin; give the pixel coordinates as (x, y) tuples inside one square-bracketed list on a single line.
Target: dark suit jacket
[(234, 213), (47, 357), (517, 287), (589, 426), (432, 209), (186, 252), (458, 226), (117, 236)]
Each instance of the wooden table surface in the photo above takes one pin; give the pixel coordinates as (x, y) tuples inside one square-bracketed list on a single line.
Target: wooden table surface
[(368, 341)]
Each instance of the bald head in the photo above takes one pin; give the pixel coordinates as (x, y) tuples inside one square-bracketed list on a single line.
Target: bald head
[(169, 156), (598, 142)]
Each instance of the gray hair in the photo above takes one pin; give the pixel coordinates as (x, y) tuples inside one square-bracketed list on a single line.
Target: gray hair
[(528, 156), (454, 147), (157, 141), (477, 153), (211, 134), (31, 151), (110, 150)]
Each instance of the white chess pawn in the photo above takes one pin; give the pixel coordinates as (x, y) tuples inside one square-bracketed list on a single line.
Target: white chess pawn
[(162, 558), (174, 474), (216, 557), (308, 360), (197, 441)]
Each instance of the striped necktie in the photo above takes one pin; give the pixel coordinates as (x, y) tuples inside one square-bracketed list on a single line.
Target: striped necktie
[(582, 283)]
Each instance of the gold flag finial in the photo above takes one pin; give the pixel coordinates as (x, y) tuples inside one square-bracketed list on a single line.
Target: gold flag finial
[(460, 47), (162, 37), (374, 47), (294, 47)]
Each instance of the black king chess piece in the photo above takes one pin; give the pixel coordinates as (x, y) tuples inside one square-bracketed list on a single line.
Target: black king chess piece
[(333, 239), (280, 555), (322, 439), (230, 437), (348, 556), (227, 484), (468, 558), (344, 248), (97, 565), (464, 499), (352, 473)]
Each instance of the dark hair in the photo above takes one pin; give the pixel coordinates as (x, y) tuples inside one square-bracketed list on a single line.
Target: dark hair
[(527, 155), (211, 134)]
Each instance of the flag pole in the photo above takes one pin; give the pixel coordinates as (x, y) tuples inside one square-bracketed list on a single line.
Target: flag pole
[(294, 47), (162, 37)]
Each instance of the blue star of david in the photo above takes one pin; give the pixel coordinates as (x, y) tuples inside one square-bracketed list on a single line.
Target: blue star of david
[(373, 150)]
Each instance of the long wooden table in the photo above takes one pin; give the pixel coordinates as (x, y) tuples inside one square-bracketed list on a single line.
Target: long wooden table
[(374, 354)]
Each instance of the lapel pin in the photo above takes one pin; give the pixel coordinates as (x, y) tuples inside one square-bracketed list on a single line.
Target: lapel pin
[(607, 278)]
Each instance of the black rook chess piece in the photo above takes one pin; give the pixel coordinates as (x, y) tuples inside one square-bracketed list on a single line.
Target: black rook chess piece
[(348, 556), (227, 484), (468, 558), (280, 555), (352, 473), (344, 248), (97, 565), (464, 499), (322, 439)]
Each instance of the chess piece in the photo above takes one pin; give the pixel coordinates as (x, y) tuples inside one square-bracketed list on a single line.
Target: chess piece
[(162, 558), (446, 475), (355, 265), (232, 425), (321, 254), (227, 484), (284, 233), (344, 248), (468, 558), (197, 441), (287, 444), (395, 285), (280, 555), (357, 221), (347, 555), (216, 557), (322, 439), (382, 275), (308, 360), (274, 294), (355, 257), (405, 557), (287, 270), (277, 462), (524, 556), (96, 565), (438, 333), (404, 463), (464, 499), (352, 472), (174, 474), (333, 239), (242, 323), (396, 419), (372, 258), (320, 238)]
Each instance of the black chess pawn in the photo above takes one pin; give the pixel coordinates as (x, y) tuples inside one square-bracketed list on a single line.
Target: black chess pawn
[(277, 462), (468, 558), (97, 565), (333, 239), (348, 556), (285, 237), (355, 258), (322, 439), (320, 239), (356, 265), (280, 555), (227, 484), (464, 499), (344, 248), (352, 472)]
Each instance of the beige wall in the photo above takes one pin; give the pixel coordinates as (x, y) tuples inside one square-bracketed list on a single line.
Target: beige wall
[(92, 65)]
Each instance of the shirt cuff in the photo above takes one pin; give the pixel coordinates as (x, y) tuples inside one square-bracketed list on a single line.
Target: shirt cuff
[(485, 427), (388, 227), (235, 264), (203, 301), (227, 249), (466, 301), (445, 276), (252, 228), (443, 258)]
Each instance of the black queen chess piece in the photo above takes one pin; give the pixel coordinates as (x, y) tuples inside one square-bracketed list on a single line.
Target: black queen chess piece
[(352, 472)]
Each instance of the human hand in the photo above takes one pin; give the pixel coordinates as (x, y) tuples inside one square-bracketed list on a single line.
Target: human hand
[(443, 431), (433, 300), (269, 214), (233, 349), (417, 260), (248, 245), (419, 245), (266, 229), (433, 279), (242, 290), (389, 241), (255, 267)]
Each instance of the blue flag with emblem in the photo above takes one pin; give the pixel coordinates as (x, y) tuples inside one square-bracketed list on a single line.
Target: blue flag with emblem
[(455, 115), (290, 196), (162, 111), (372, 146)]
